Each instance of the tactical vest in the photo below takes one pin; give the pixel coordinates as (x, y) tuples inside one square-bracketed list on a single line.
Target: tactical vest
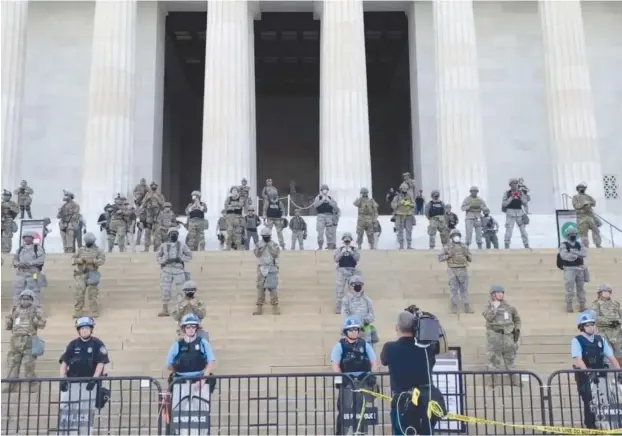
[(190, 357), (516, 203), (437, 208), (325, 208), (458, 258), (354, 356), (592, 353), (23, 321), (196, 213), (366, 208), (274, 210), (475, 205), (347, 261), (578, 261), (234, 206)]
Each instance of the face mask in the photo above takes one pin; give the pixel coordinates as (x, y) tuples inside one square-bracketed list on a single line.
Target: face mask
[(266, 238), (358, 287), (25, 302), (89, 244), (324, 191), (572, 238), (435, 198), (66, 199), (190, 294), (456, 239), (581, 191), (347, 242), (486, 214), (173, 237), (404, 192), (153, 189), (234, 194), (194, 197)]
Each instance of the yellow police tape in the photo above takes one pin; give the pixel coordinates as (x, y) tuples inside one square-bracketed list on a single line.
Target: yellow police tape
[(435, 409)]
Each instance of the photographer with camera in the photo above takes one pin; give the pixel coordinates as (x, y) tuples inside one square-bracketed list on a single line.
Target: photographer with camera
[(410, 360)]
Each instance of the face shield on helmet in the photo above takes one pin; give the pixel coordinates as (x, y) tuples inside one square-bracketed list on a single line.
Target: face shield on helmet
[(586, 319), (85, 326), (190, 324), (351, 327)]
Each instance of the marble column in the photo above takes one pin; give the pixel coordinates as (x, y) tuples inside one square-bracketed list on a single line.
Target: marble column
[(108, 153), (345, 159), (462, 161), (14, 28), (227, 136), (252, 180), (573, 138)]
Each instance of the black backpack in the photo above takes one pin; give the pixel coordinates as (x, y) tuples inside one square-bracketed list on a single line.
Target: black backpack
[(560, 261)]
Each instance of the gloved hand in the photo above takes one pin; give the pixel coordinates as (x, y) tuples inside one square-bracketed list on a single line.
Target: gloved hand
[(64, 386), (90, 385), (84, 231), (177, 260), (516, 335)]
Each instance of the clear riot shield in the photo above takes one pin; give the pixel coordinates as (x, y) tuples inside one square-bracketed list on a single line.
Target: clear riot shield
[(190, 407), (356, 410), (76, 410), (606, 402)]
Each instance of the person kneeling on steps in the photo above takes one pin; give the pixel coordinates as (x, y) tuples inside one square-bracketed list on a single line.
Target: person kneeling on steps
[(267, 251)]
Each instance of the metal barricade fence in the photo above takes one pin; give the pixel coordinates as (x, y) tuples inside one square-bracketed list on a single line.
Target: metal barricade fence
[(81, 406), (585, 398)]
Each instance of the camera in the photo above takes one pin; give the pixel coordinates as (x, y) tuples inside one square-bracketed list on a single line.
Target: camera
[(427, 329)]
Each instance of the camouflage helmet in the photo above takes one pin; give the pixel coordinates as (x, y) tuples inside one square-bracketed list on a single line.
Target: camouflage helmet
[(234, 188), (406, 174), (265, 231), (196, 194), (23, 183), (496, 288), (6, 193), (473, 189), (435, 192), (347, 235), (153, 183), (582, 185), (604, 287), (189, 285), (356, 278), (485, 210), (89, 238), (447, 206), (172, 230), (68, 194), (364, 191), (455, 232), (251, 208), (572, 231), (27, 293), (28, 234), (244, 180), (143, 181), (403, 187), (512, 181), (47, 221), (324, 186), (168, 204)]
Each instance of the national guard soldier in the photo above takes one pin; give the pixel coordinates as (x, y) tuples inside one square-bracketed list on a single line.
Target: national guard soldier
[(327, 218), (367, 214), (24, 199), (140, 191), (10, 209), (245, 194), (69, 216), (490, 227), (403, 206), (251, 222), (273, 216), (357, 304), (503, 325), (608, 316), (87, 261), (512, 204), (458, 257), (24, 321), (451, 221), (221, 229), (82, 229), (525, 190), (119, 215), (189, 304), (152, 204), (572, 255), (589, 351), (234, 207), (410, 183), (166, 219), (268, 189), (172, 256), (132, 226), (347, 258), (584, 204), (28, 262), (473, 206), (267, 272), (298, 226), (435, 212), (196, 222)]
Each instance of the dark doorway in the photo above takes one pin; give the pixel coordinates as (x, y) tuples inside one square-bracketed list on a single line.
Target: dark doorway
[(287, 71), (388, 90), (184, 71)]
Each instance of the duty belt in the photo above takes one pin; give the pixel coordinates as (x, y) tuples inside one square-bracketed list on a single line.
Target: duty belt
[(501, 332)]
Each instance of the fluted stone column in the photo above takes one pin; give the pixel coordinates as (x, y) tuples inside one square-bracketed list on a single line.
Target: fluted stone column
[(254, 14), (14, 27), (227, 136), (573, 135), (108, 153), (345, 159), (462, 161)]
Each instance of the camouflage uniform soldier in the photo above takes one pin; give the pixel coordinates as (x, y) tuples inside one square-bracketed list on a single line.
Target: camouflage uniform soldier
[(172, 256), (584, 204), (235, 222), (10, 209), (410, 183), (451, 222), (327, 218), (119, 217), (245, 194), (367, 214), (24, 321), (298, 226), (28, 262), (503, 325), (403, 206), (435, 213), (608, 315), (273, 216), (152, 203), (268, 189), (347, 258), (267, 272), (458, 257), (573, 255), (79, 232), (221, 229), (490, 226), (166, 219), (140, 191), (87, 261), (24, 199), (196, 222), (189, 304), (69, 216), (512, 204), (473, 206)]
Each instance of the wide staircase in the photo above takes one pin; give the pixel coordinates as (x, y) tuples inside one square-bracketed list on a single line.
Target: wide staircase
[(297, 341)]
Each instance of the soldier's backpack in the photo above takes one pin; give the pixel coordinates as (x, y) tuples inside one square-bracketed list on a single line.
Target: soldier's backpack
[(560, 261)]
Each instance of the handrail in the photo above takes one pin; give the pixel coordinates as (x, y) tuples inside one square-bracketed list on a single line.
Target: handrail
[(612, 227)]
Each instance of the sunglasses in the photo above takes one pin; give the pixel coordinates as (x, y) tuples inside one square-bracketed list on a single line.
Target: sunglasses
[(354, 329)]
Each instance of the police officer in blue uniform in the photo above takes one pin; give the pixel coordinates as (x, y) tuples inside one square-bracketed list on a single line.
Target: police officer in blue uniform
[(192, 355), (354, 358), (590, 351), (85, 356)]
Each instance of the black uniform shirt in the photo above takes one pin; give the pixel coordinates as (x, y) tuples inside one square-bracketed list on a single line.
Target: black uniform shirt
[(82, 357), (407, 364)]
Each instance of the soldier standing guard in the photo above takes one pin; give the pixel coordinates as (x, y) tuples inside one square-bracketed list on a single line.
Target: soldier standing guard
[(458, 257), (608, 316), (298, 226), (196, 222), (24, 321), (245, 194), (166, 219), (119, 217), (140, 191), (512, 204), (10, 209), (28, 262), (473, 206), (273, 216), (69, 216), (87, 261), (572, 255), (235, 221), (347, 258), (584, 204), (251, 222), (172, 256), (267, 272), (24, 199), (410, 183), (435, 213), (327, 218), (403, 206), (152, 203), (367, 215)]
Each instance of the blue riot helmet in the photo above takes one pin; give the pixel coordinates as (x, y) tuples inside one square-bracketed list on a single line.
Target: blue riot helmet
[(585, 318), (351, 323), (190, 319), (85, 321)]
